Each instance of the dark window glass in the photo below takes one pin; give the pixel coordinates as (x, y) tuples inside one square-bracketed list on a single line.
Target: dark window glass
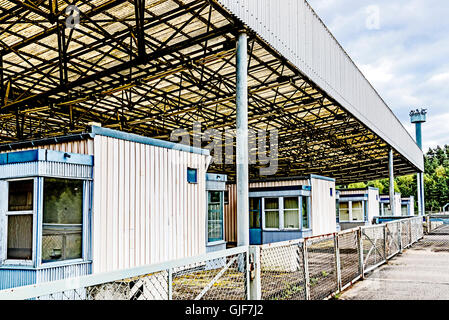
[(305, 213), (62, 219), (215, 216), (226, 197), (20, 237), (20, 197), (254, 212), (192, 175)]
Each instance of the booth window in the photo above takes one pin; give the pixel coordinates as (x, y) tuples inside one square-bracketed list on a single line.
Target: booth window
[(272, 213), (62, 228), (352, 211), (344, 211), (254, 213), (215, 216), (20, 220), (305, 213), (20, 197), (291, 213)]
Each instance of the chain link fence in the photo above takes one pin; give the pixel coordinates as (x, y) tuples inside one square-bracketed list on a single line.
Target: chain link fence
[(306, 269), (436, 228), (282, 273)]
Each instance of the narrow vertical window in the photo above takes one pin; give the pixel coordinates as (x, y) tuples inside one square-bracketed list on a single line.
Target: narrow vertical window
[(254, 213), (215, 216), (291, 213), (20, 220), (305, 213), (272, 213)]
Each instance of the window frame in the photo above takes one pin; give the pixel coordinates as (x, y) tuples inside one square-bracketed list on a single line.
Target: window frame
[(364, 211), (37, 212), (218, 241), (281, 211), (4, 242)]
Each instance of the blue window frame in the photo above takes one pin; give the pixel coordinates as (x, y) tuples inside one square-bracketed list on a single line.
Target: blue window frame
[(192, 175)]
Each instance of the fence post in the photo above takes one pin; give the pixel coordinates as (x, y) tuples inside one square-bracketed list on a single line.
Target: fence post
[(254, 273), (385, 242), (306, 269), (337, 261), (360, 245), (400, 236), (170, 284)]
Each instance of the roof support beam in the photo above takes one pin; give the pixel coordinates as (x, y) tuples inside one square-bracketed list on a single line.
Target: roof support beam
[(31, 7), (139, 6)]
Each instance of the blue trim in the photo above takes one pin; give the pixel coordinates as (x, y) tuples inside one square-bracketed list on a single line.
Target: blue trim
[(145, 140), (315, 176), (46, 155)]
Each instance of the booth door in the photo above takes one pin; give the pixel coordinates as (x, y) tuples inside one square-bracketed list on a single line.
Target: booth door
[(255, 221)]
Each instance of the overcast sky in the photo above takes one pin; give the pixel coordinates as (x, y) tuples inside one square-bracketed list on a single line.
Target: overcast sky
[(402, 47)]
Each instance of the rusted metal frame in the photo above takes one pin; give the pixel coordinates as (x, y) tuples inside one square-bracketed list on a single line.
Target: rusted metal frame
[(205, 45), (116, 69), (52, 30), (2, 82), (139, 6), (62, 54), (31, 7)]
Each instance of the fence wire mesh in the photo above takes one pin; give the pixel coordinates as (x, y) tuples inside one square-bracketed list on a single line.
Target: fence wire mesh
[(392, 239), (406, 233), (349, 256), (322, 267), (373, 242), (437, 235), (313, 268), (282, 272), (218, 279)]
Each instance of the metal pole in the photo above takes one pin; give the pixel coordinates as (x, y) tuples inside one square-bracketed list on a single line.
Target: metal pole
[(242, 140), (255, 287), (423, 203), (418, 186), (391, 171)]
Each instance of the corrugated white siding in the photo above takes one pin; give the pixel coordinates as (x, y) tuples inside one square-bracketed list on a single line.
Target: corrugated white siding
[(293, 29), (144, 210), (323, 215)]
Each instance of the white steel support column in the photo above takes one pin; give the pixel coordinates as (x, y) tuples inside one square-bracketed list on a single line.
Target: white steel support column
[(423, 207), (242, 140), (391, 172), (418, 186)]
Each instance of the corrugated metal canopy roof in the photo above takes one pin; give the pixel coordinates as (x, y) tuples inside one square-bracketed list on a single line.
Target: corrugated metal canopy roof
[(176, 65)]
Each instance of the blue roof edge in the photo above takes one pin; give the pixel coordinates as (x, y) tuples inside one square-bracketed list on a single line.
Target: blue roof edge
[(111, 133), (46, 155)]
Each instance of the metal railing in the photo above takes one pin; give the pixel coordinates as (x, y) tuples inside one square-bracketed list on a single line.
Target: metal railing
[(313, 268)]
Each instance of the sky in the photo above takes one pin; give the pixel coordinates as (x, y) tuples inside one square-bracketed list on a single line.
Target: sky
[(402, 48)]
